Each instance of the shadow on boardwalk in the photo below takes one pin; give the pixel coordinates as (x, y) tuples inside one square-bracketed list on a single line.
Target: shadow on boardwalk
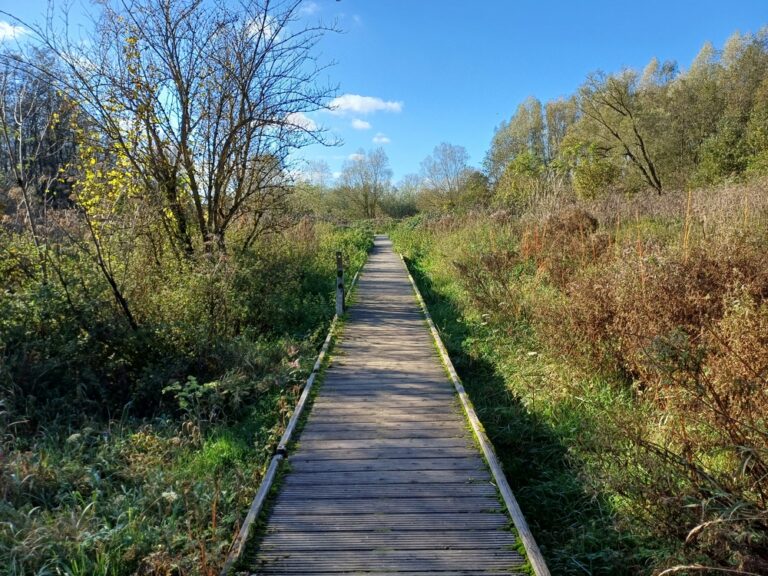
[(573, 525)]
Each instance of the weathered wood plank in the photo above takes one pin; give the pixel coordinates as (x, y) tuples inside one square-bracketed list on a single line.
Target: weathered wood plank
[(385, 522), (385, 402), (412, 540), (381, 560), (385, 443), (357, 465), (367, 434), (409, 573), (390, 477), (451, 425), (355, 506), (312, 492), (396, 452)]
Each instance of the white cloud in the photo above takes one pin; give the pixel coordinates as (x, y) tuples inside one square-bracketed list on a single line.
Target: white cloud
[(301, 120), (309, 8), (9, 32), (336, 175), (262, 28), (357, 104), (356, 156), (358, 124), (381, 139)]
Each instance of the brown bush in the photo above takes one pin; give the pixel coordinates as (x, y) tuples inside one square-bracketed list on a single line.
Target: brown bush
[(491, 284), (691, 332), (564, 242)]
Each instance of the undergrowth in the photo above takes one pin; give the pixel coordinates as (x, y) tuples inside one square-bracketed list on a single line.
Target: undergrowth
[(138, 453)]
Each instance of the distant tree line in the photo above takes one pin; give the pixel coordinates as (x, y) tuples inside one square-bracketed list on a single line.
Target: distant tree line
[(659, 129)]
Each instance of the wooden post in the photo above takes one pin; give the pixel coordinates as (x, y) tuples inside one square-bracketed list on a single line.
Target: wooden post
[(339, 284)]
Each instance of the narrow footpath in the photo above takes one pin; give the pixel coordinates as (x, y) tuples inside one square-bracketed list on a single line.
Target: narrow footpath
[(386, 478)]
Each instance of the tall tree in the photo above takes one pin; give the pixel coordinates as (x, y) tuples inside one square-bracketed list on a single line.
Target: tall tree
[(364, 181), (560, 115), (612, 109), (205, 99), (444, 175), (743, 68), (524, 133)]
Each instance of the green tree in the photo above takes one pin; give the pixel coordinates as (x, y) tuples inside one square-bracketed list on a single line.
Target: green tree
[(744, 66), (560, 115), (523, 133), (614, 120)]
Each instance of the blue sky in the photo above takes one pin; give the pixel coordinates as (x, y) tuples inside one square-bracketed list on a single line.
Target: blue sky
[(432, 71)]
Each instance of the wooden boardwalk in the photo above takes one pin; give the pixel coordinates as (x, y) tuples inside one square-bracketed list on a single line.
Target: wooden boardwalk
[(386, 478)]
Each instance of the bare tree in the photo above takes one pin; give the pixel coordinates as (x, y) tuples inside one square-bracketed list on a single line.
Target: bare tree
[(205, 99), (33, 149), (444, 175), (364, 181)]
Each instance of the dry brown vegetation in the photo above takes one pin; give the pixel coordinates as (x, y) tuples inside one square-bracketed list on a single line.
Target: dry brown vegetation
[(667, 298)]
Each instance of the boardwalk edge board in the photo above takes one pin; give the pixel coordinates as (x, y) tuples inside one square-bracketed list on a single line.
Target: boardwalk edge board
[(535, 557), (238, 544)]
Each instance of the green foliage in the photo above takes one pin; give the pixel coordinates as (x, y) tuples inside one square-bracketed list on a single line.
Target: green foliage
[(136, 451), (593, 173), (659, 129), (521, 181)]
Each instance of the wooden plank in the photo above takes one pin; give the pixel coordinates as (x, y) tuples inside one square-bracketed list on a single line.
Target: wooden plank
[(384, 402), (451, 424), (409, 573), (390, 477), (361, 394), (397, 452), (355, 506), (374, 417), (386, 443), (357, 465), (381, 560), (385, 522), (362, 410), (340, 393), (412, 540), (312, 492), (369, 434)]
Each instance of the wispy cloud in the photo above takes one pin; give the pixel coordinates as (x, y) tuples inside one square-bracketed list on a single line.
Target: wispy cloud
[(381, 139), (301, 120), (9, 31), (358, 124), (309, 8), (356, 156), (354, 103)]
